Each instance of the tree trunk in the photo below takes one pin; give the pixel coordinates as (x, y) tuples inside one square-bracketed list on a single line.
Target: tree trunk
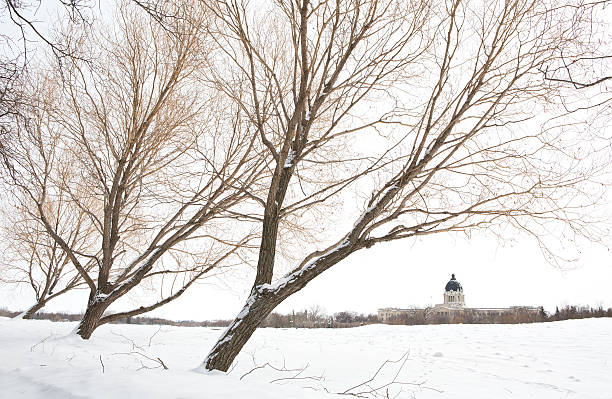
[(257, 308), (262, 302), (91, 318), (32, 311)]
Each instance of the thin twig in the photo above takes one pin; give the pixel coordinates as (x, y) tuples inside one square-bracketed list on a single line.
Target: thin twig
[(162, 363)]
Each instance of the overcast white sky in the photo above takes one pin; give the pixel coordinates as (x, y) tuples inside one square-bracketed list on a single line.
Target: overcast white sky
[(399, 275), (402, 274)]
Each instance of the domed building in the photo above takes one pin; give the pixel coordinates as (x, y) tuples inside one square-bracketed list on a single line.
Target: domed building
[(452, 307), (453, 293)]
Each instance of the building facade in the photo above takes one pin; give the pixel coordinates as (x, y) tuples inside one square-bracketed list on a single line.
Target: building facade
[(453, 309)]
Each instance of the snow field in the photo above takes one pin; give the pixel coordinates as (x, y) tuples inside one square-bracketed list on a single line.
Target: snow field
[(569, 359)]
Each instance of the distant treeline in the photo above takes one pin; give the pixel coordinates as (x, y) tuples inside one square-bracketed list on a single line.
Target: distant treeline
[(315, 318), (129, 320), (467, 316), (578, 312), (513, 316)]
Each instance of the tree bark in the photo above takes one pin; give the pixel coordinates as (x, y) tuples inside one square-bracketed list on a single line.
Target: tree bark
[(263, 300), (35, 308), (91, 318), (258, 307)]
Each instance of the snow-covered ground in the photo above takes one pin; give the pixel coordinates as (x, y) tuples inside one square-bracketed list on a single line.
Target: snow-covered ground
[(570, 359)]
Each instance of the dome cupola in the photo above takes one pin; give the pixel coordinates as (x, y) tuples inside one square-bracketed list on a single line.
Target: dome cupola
[(453, 285)]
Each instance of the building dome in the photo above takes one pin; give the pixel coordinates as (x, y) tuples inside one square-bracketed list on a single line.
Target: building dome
[(453, 285)]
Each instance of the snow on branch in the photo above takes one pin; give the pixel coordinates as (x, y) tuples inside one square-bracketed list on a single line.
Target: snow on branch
[(281, 283), (289, 160)]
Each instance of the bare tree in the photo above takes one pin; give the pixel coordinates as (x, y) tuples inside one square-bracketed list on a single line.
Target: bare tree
[(27, 32), (132, 138), (33, 258), (437, 114), (24, 29), (11, 75), (22, 16)]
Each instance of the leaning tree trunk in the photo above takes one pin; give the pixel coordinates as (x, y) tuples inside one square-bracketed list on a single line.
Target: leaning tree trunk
[(262, 301), (264, 298), (258, 307), (91, 318), (32, 311)]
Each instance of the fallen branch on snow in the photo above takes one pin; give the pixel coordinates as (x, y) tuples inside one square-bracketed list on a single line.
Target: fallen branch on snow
[(367, 389)]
